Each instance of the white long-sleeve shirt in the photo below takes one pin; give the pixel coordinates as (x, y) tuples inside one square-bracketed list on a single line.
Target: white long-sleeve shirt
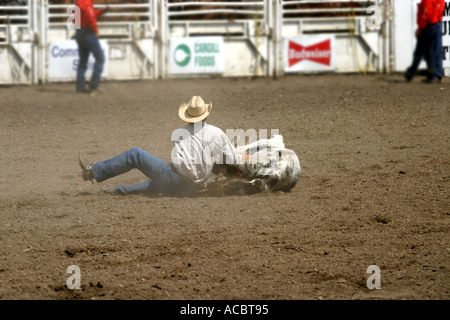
[(197, 147)]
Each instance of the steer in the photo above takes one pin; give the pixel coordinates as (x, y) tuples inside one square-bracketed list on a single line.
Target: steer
[(270, 167)]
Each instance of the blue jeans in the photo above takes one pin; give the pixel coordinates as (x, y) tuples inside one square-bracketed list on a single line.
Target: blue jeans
[(88, 42), (163, 178), (439, 71), (426, 47)]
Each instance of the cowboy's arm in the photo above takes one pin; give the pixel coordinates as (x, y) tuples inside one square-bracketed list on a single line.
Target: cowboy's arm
[(230, 154), (424, 15)]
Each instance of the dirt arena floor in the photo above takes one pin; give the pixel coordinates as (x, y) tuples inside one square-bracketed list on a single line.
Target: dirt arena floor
[(374, 190)]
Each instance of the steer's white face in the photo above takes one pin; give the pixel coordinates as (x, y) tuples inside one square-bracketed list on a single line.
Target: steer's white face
[(269, 161)]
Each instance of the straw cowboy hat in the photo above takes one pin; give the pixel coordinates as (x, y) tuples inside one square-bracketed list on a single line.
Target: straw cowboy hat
[(194, 111)]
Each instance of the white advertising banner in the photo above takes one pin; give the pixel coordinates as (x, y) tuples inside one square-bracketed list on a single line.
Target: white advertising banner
[(63, 60), (446, 38), (196, 55), (315, 53)]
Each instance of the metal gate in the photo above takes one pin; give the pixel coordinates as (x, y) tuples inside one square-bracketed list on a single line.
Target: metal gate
[(150, 39), (127, 34), (358, 45), (244, 27), (17, 45)]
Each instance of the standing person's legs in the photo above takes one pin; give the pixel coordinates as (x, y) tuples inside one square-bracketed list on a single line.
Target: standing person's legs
[(83, 56), (419, 52), (96, 49), (439, 69), (432, 55)]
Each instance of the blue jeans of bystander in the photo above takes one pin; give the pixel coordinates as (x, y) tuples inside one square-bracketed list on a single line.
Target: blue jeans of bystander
[(439, 71), (426, 48), (88, 42)]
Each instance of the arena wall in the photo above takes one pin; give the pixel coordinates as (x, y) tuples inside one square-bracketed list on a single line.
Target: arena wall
[(152, 39)]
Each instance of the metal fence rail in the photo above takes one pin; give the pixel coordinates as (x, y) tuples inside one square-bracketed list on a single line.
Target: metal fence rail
[(19, 16), (213, 17), (16, 41), (328, 8), (145, 14), (361, 49), (217, 10), (244, 25), (139, 34), (129, 29), (118, 13)]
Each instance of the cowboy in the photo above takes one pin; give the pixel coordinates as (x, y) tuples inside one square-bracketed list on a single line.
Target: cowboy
[(197, 146)]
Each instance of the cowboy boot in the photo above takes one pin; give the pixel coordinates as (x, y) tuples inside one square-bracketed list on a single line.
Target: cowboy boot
[(86, 166)]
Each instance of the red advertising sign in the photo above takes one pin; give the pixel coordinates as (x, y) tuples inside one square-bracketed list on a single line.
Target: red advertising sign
[(319, 52), (309, 53)]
